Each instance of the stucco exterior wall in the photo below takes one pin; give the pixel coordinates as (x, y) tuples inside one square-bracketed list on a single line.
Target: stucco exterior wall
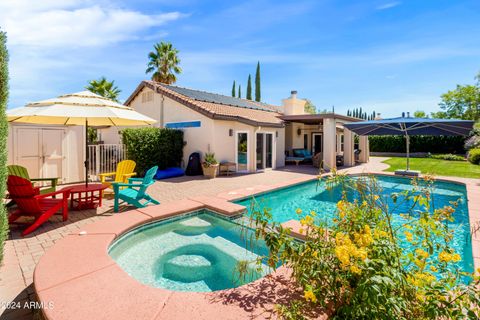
[(211, 136)]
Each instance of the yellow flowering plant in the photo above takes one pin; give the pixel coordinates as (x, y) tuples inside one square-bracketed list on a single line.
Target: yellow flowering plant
[(353, 266)]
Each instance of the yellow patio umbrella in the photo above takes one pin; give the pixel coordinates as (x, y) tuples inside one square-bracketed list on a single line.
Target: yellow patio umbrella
[(81, 108)]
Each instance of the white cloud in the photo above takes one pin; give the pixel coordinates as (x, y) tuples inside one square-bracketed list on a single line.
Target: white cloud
[(388, 5), (74, 23)]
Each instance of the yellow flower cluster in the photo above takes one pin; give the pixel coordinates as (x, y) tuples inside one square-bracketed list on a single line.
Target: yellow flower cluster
[(409, 236), (307, 221), (447, 257), (364, 238), (346, 249), (378, 234), (421, 279), (310, 296)]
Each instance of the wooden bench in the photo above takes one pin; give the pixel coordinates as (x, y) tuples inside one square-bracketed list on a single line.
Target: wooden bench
[(227, 165)]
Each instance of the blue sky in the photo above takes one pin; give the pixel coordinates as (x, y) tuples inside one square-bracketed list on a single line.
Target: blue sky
[(384, 55)]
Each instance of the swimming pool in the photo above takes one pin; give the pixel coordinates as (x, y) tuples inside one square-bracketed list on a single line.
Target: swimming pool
[(312, 196), (197, 252)]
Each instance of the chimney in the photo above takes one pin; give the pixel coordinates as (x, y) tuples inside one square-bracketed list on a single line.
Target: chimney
[(293, 105)]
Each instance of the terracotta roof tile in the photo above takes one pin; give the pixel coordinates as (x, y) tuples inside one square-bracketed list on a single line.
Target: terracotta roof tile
[(246, 111)]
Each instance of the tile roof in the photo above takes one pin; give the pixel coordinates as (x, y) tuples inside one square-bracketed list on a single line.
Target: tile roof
[(217, 106)]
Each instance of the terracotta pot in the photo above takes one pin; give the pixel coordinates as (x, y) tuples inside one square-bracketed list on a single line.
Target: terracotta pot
[(210, 171)]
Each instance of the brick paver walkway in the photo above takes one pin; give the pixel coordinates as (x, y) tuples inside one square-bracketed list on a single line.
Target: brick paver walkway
[(23, 253)]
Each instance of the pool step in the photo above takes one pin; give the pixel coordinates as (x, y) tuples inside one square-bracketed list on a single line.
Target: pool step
[(192, 227), (188, 268)]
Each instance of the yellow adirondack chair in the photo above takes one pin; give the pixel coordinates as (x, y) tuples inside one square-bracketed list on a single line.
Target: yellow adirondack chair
[(124, 171)]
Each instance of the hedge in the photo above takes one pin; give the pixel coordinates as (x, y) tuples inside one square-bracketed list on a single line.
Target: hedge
[(474, 156), (150, 147), (3, 136), (432, 144)]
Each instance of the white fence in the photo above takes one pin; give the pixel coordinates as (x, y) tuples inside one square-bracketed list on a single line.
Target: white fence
[(104, 158)]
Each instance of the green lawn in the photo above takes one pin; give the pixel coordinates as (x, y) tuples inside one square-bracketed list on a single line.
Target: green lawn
[(437, 167)]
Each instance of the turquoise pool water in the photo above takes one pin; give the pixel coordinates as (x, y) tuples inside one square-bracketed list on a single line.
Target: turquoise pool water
[(197, 252), (311, 196)]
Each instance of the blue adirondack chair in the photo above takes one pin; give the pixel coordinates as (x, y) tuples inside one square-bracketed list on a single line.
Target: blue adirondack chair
[(134, 192)]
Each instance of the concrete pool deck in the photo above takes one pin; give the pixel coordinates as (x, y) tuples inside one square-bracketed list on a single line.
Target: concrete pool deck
[(79, 266), (22, 254)]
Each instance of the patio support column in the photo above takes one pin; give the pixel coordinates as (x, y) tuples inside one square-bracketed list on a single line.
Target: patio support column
[(329, 144), (364, 156), (348, 156)]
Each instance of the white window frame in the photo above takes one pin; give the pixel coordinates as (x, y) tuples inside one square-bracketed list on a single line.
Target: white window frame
[(248, 150), (274, 150)]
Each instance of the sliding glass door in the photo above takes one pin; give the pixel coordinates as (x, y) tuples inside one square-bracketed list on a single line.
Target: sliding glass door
[(264, 151)]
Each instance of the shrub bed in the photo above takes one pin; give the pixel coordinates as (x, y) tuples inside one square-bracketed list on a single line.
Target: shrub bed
[(448, 157), (474, 156), (3, 135), (149, 147), (437, 144)]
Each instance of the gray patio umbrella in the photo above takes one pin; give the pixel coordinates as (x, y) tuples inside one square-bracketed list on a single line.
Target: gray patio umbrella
[(407, 126)]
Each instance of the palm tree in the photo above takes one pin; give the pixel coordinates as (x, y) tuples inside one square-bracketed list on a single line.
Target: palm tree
[(164, 63), (104, 88)]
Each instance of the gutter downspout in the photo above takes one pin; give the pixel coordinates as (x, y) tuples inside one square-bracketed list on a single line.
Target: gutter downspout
[(162, 104)]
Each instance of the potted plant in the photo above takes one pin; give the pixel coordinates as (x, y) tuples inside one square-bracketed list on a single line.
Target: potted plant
[(210, 165)]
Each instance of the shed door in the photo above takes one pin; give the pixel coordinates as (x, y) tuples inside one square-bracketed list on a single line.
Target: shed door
[(28, 147), (40, 151)]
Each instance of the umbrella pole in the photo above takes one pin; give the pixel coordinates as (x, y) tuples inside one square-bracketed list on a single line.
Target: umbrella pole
[(86, 153), (408, 151)]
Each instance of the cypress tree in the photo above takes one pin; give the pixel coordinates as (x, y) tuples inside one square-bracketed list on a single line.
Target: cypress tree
[(239, 91), (257, 83), (249, 87), (233, 89), (3, 135)]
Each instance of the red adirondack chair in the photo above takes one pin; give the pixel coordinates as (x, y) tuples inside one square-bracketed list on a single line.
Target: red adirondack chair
[(30, 203)]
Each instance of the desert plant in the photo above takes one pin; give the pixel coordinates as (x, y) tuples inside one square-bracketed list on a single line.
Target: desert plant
[(163, 63), (3, 135), (209, 160), (105, 88), (355, 266), (474, 156)]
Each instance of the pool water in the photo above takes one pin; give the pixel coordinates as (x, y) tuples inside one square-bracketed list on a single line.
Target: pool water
[(196, 252), (314, 196)]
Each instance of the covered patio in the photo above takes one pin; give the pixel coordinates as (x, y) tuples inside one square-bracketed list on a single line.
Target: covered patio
[(326, 134)]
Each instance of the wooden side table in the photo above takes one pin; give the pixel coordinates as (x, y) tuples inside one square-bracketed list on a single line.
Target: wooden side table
[(83, 197), (227, 165)]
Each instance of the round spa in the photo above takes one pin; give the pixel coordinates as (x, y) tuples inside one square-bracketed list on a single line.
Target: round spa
[(198, 252)]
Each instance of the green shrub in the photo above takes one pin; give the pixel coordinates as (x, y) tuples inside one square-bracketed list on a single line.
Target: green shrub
[(3, 136), (353, 266), (150, 147), (474, 156), (448, 156), (437, 144)]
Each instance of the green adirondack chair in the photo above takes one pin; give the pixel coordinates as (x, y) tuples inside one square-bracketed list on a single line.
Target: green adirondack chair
[(134, 192), (22, 172)]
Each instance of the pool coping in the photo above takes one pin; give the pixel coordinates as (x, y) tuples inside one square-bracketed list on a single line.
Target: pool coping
[(82, 281)]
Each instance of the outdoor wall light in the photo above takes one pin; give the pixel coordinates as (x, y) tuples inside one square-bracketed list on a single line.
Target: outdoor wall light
[(276, 134), (299, 131), (230, 132)]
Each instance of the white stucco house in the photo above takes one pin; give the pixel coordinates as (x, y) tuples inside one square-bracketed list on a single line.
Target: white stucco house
[(256, 136)]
